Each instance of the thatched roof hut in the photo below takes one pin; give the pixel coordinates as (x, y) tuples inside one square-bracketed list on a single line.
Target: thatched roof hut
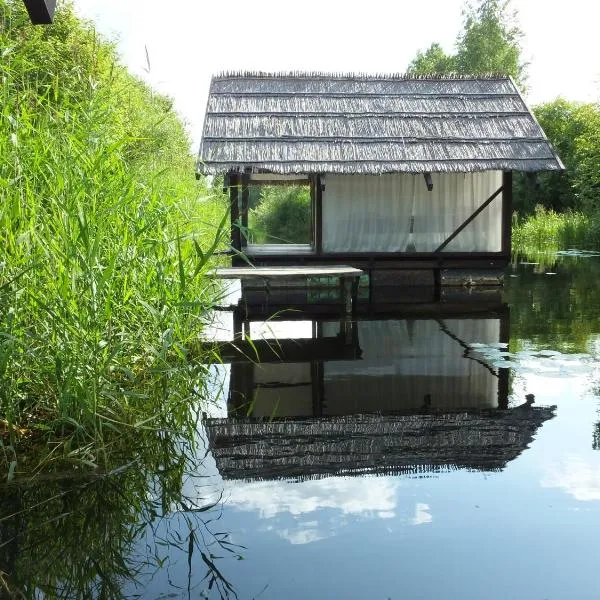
[(411, 169)]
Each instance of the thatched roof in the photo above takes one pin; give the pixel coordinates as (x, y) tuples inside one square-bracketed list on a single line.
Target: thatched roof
[(483, 440), (345, 123)]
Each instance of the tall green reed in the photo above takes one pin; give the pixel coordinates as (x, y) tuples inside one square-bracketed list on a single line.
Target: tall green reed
[(105, 238), (549, 231)]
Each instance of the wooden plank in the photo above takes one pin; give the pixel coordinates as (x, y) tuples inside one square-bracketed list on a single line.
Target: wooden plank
[(276, 272), (275, 179), (285, 350), (282, 183), (469, 220), (41, 12)]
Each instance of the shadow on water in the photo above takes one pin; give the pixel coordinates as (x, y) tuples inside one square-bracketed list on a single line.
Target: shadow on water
[(425, 391)]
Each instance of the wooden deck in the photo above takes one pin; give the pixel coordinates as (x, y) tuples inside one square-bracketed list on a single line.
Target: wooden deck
[(277, 272), (348, 278)]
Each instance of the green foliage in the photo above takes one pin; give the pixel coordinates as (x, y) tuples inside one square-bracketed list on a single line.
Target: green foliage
[(283, 215), (433, 60), (104, 235), (574, 130), (489, 42)]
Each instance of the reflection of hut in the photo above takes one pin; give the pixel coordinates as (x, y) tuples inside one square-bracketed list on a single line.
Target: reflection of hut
[(400, 363), (413, 400), (381, 444), (403, 172)]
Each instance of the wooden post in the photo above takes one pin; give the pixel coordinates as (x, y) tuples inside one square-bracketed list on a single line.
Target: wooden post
[(244, 215), (354, 294), (503, 378), (316, 368), (236, 240), (238, 325), (507, 201), (241, 389), (318, 216), (346, 292)]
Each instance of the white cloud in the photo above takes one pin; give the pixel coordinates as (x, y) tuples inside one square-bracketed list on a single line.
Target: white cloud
[(576, 477), (302, 535), (421, 515), (358, 495)]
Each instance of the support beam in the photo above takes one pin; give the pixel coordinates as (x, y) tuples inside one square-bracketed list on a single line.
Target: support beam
[(315, 375), (469, 220), (274, 179), (41, 12)]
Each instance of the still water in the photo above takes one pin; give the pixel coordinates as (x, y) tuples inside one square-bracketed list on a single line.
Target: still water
[(446, 455)]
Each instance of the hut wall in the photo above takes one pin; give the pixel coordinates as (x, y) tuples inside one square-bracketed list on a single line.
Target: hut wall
[(375, 213), (405, 360), (283, 390)]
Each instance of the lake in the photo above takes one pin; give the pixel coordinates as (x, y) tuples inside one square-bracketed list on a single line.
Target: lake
[(443, 453)]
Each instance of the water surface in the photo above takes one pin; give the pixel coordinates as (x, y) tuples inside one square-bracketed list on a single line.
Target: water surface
[(400, 459)]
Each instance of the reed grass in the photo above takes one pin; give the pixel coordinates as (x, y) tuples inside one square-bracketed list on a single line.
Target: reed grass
[(105, 237), (549, 231)]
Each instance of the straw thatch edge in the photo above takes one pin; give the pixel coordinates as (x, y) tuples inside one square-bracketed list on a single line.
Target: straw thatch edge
[(359, 75)]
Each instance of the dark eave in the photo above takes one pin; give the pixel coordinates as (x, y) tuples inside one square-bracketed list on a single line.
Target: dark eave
[(40, 12)]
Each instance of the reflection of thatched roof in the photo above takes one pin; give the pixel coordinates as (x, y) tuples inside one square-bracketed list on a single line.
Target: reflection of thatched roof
[(324, 123), (392, 444)]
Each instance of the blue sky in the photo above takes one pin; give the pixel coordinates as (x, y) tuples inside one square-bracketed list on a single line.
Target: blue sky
[(188, 40)]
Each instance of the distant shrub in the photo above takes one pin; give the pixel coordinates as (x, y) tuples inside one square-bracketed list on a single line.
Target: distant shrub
[(282, 216), (549, 230)]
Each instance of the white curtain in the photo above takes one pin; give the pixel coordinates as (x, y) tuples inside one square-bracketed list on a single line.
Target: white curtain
[(403, 361), (375, 213), (282, 390)]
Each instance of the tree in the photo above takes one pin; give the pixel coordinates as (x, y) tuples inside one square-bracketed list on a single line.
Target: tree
[(432, 60), (488, 43), (573, 128)]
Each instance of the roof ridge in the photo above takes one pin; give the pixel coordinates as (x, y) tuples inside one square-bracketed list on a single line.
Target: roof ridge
[(359, 75)]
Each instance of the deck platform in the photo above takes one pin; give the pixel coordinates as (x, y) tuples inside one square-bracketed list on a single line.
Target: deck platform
[(348, 278)]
